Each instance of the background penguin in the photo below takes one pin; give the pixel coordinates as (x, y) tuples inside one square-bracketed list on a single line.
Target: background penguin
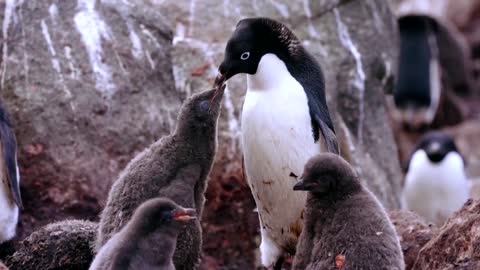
[(417, 91), (10, 199), (147, 241), (175, 167), (435, 183), (345, 225), (285, 120), (64, 245)]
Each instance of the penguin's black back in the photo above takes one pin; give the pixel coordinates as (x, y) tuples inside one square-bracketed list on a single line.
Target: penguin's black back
[(413, 84), (9, 154)]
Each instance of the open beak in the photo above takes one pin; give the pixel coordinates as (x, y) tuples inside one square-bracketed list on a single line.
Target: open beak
[(185, 214), (300, 185), (219, 80), (217, 95)]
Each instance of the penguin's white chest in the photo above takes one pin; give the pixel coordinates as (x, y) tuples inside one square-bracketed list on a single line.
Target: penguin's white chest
[(277, 141), (8, 211), (435, 191)]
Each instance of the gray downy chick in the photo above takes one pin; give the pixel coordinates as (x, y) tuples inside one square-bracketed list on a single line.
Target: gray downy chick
[(148, 240), (345, 225), (176, 167)]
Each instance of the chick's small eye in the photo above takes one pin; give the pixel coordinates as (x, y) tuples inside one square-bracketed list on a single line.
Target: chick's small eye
[(204, 105), (245, 55)]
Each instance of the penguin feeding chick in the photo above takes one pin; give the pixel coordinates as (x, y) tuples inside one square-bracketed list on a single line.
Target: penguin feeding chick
[(418, 88), (148, 240), (285, 120), (435, 183), (176, 167), (10, 199), (345, 225)]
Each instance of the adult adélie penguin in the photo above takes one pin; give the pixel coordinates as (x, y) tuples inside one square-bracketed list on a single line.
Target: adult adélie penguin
[(285, 121)]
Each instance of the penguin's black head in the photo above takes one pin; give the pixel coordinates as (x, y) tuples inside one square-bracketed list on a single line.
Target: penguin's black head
[(436, 145), (161, 213), (328, 174), (253, 38)]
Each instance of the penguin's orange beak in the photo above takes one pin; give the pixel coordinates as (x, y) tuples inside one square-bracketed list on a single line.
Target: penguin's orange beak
[(185, 214)]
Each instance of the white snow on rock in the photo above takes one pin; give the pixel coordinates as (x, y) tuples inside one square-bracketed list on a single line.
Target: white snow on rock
[(93, 30), (9, 10), (360, 77)]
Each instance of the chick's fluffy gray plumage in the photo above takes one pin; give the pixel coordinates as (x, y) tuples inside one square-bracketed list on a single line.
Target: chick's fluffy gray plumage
[(63, 245), (147, 242), (345, 225), (176, 167)]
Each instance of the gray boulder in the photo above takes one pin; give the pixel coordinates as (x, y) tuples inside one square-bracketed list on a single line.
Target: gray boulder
[(88, 84)]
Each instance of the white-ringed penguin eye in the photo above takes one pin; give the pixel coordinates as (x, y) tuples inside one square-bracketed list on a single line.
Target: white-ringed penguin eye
[(245, 55)]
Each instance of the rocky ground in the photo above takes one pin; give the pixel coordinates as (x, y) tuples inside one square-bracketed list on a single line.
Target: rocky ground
[(85, 100)]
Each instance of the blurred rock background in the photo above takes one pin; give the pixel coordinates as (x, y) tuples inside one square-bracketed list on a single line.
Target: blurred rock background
[(90, 83)]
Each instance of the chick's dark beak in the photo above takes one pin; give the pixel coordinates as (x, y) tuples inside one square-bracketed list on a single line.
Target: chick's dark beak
[(300, 185), (216, 98), (185, 214), (220, 80)]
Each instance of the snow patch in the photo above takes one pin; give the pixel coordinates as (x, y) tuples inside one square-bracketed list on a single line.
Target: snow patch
[(311, 29), (360, 77), (53, 10), (226, 8), (191, 17), (179, 33), (92, 30), (46, 35), (74, 72), (137, 50), (55, 62), (9, 10), (255, 6), (281, 8), (149, 35)]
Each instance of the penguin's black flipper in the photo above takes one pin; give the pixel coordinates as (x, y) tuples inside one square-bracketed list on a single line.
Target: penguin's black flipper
[(329, 135), (9, 156)]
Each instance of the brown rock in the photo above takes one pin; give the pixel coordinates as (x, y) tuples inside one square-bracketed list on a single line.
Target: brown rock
[(65, 245), (413, 233), (457, 244)]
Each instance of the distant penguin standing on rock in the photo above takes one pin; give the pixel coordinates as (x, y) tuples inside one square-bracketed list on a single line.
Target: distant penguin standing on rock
[(148, 240), (346, 227), (418, 88), (285, 120), (435, 183), (10, 199), (176, 167)]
